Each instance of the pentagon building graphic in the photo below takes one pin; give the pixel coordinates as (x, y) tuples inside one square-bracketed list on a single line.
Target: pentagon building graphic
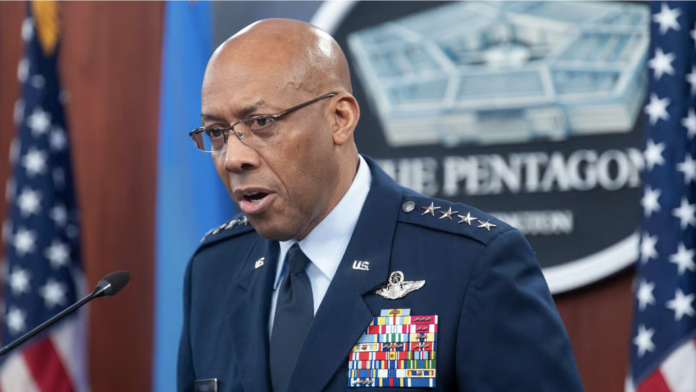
[(505, 72)]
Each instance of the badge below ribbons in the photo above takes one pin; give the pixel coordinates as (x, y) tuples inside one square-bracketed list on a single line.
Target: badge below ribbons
[(396, 350)]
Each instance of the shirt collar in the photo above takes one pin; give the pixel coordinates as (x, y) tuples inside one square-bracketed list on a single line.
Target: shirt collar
[(327, 242)]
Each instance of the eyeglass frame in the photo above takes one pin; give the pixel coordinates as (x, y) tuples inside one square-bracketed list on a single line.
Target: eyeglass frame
[(274, 117)]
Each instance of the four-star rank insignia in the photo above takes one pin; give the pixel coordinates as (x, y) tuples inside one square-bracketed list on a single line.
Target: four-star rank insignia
[(396, 350), (226, 226), (430, 210)]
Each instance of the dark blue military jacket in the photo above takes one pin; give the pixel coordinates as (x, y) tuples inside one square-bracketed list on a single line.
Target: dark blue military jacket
[(498, 328)]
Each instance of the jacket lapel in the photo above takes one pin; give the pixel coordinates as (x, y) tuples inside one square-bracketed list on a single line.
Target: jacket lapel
[(343, 315), (248, 320)]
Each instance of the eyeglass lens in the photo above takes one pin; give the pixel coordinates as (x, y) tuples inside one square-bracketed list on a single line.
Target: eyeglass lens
[(251, 130)]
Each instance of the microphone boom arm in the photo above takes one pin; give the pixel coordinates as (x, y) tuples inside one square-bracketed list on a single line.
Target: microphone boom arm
[(45, 324), (108, 286)]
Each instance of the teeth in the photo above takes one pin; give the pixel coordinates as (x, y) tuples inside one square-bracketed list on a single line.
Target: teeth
[(255, 197)]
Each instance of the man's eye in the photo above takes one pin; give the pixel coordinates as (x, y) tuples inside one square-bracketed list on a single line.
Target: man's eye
[(214, 132), (259, 123)]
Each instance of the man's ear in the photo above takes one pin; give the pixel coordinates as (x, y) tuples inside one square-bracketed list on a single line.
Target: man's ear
[(345, 118)]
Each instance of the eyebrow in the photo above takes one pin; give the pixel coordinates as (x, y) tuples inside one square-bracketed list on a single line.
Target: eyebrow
[(251, 108), (210, 117), (241, 114)]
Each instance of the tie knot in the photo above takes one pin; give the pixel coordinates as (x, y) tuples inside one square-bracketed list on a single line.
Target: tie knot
[(297, 260)]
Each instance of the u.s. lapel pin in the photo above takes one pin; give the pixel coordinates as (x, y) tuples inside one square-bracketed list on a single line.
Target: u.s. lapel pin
[(397, 287), (361, 265), (259, 262)]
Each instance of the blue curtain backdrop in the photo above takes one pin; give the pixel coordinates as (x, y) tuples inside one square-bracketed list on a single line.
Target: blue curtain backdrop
[(190, 197)]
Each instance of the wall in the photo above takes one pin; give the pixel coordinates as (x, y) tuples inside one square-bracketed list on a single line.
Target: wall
[(598, 320)]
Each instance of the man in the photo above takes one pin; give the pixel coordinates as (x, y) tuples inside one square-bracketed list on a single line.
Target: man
[(334, 277)]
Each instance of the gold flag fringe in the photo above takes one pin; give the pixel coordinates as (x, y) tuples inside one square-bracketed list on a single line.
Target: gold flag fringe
[(47, 23)]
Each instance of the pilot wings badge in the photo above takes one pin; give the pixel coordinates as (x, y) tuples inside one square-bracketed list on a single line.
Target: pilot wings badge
[(397, 287)]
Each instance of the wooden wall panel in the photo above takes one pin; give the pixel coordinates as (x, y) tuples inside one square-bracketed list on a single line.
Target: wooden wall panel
[(111, 67), (11, 16), (598, 320)]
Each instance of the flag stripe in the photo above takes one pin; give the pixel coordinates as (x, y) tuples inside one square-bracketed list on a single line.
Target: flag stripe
[(69, 342), (678, 369), (15, 376), (45, 365), (654, 383)]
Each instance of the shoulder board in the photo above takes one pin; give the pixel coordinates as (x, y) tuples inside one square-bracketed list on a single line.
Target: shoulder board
[(235, 226), (450, 217)]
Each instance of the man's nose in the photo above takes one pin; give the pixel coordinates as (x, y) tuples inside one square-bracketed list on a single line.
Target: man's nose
[(238, 155)]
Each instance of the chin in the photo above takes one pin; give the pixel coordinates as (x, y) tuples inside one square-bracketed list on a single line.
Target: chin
[(272, 231)]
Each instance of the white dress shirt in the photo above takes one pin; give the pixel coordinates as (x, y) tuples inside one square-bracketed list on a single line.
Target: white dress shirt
[(327, 242)]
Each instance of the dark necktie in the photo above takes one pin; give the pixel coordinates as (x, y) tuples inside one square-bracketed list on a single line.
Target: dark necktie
[(293, 316)]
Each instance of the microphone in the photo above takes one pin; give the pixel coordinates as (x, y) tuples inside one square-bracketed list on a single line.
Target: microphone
[(107, 286)]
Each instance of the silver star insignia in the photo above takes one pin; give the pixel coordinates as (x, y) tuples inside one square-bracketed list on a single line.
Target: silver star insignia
[(448, 213), (468, 218), (231, 224), (208, 234), (430, 210), (486, 225)]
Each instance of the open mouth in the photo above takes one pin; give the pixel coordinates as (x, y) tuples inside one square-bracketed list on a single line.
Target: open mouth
[(253, 200), (255, 197)]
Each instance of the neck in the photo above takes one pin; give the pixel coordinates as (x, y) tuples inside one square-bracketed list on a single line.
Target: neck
[(346, 175)]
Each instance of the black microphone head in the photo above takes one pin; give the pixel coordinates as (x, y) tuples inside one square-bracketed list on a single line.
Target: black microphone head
[(112, 283)]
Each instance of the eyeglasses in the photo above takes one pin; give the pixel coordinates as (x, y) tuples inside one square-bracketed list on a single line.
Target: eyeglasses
[(255, 129)]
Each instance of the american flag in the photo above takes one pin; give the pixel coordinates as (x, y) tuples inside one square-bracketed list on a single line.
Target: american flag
[(663, 349), (42, 267)]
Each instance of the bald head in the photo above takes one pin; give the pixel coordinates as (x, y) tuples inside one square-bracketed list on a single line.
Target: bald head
[(290, 54), (289, 176)]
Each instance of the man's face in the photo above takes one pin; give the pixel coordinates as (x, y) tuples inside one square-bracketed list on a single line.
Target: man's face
[(284, 184)]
